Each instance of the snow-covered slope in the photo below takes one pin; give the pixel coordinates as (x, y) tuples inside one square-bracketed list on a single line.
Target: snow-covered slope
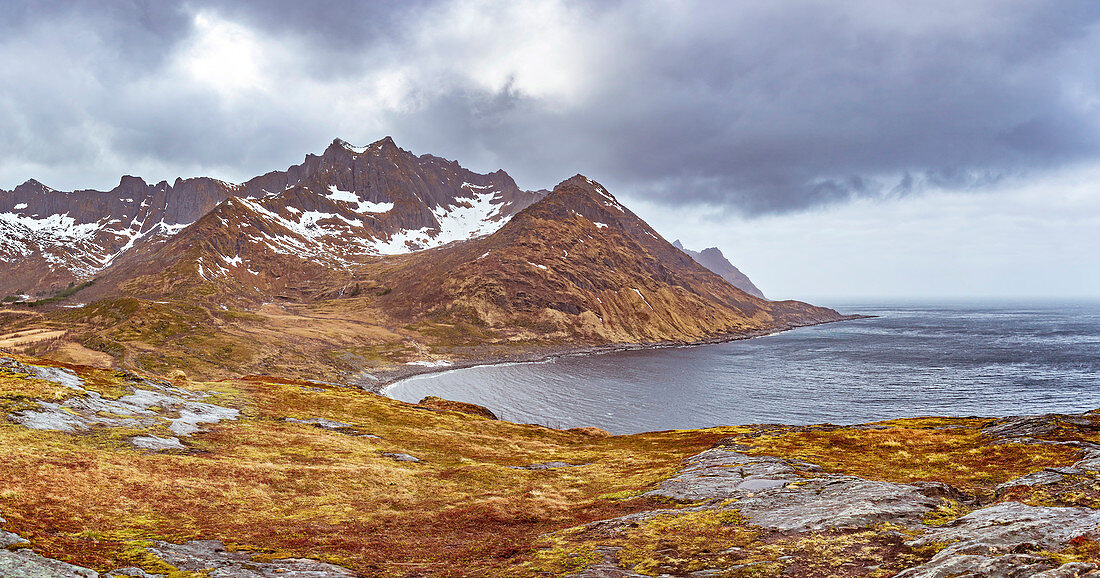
[(348, 204)]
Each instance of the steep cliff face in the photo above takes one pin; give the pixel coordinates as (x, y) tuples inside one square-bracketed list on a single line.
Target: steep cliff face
[(49, 238), (713, 259)]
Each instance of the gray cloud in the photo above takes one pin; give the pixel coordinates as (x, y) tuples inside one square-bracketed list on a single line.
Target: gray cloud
[(754, 108)]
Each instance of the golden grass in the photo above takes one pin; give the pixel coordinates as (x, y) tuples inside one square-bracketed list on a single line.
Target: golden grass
[(960, 456), (682, 542), (267, 485)]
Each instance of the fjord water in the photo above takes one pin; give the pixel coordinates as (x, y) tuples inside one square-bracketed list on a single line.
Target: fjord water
[(911, 360)]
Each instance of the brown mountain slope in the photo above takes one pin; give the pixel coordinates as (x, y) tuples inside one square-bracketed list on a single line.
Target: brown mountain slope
[(579, 266)]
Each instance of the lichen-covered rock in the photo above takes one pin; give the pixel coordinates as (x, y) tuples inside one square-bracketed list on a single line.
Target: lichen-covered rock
[(156, 403), (401, 457), (211, 557), (131, 572), (774, 493), (1035, 426), (1089, 466), (608, 567), (720, 473), (157, 444), (547, 466), (24, 563), (995, 541), (1070, 570), (837, 502)]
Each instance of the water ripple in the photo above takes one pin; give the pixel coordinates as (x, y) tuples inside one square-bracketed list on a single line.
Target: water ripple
[(911, 360)]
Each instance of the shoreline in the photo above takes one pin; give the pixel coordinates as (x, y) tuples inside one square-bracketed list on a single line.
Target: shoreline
[(384, 380)]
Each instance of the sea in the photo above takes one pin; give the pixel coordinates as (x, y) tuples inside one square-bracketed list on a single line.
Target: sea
[(916, 359)]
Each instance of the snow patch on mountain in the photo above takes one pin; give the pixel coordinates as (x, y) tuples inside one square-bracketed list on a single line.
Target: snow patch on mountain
[(471, 217), (361, 206)]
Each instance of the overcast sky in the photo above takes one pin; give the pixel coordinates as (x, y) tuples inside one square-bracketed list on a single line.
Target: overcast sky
[(833, 150)]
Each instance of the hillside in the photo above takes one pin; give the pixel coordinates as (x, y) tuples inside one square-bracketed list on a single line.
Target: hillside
[(365, 263), (111, 471)]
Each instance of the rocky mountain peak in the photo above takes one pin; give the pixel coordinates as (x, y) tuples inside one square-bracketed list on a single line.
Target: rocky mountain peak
[(712, 252), (131, 184), (713, 259), (383, 145), (32, 186), (586, 197)]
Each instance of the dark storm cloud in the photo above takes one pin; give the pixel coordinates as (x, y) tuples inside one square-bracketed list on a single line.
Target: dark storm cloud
[(755, 108), (141, 32)]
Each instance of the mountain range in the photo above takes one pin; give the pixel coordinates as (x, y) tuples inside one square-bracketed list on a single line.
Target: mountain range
[(355, 264)]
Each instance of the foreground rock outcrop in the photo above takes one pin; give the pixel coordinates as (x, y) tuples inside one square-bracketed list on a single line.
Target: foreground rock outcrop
[(735, 510)]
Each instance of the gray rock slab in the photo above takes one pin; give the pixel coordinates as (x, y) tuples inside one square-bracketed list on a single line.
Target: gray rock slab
[(1074, 569), (1089, 466), (24, 563), (66, 377), (719, 473), (401, 457), (132, 573), (157, 444), (774, 493), (160, 404), (547, 466), (320, 422), (1033, 425), (210, 556), (836, 502), (1070, 570), (9, 539), (985, 540)]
